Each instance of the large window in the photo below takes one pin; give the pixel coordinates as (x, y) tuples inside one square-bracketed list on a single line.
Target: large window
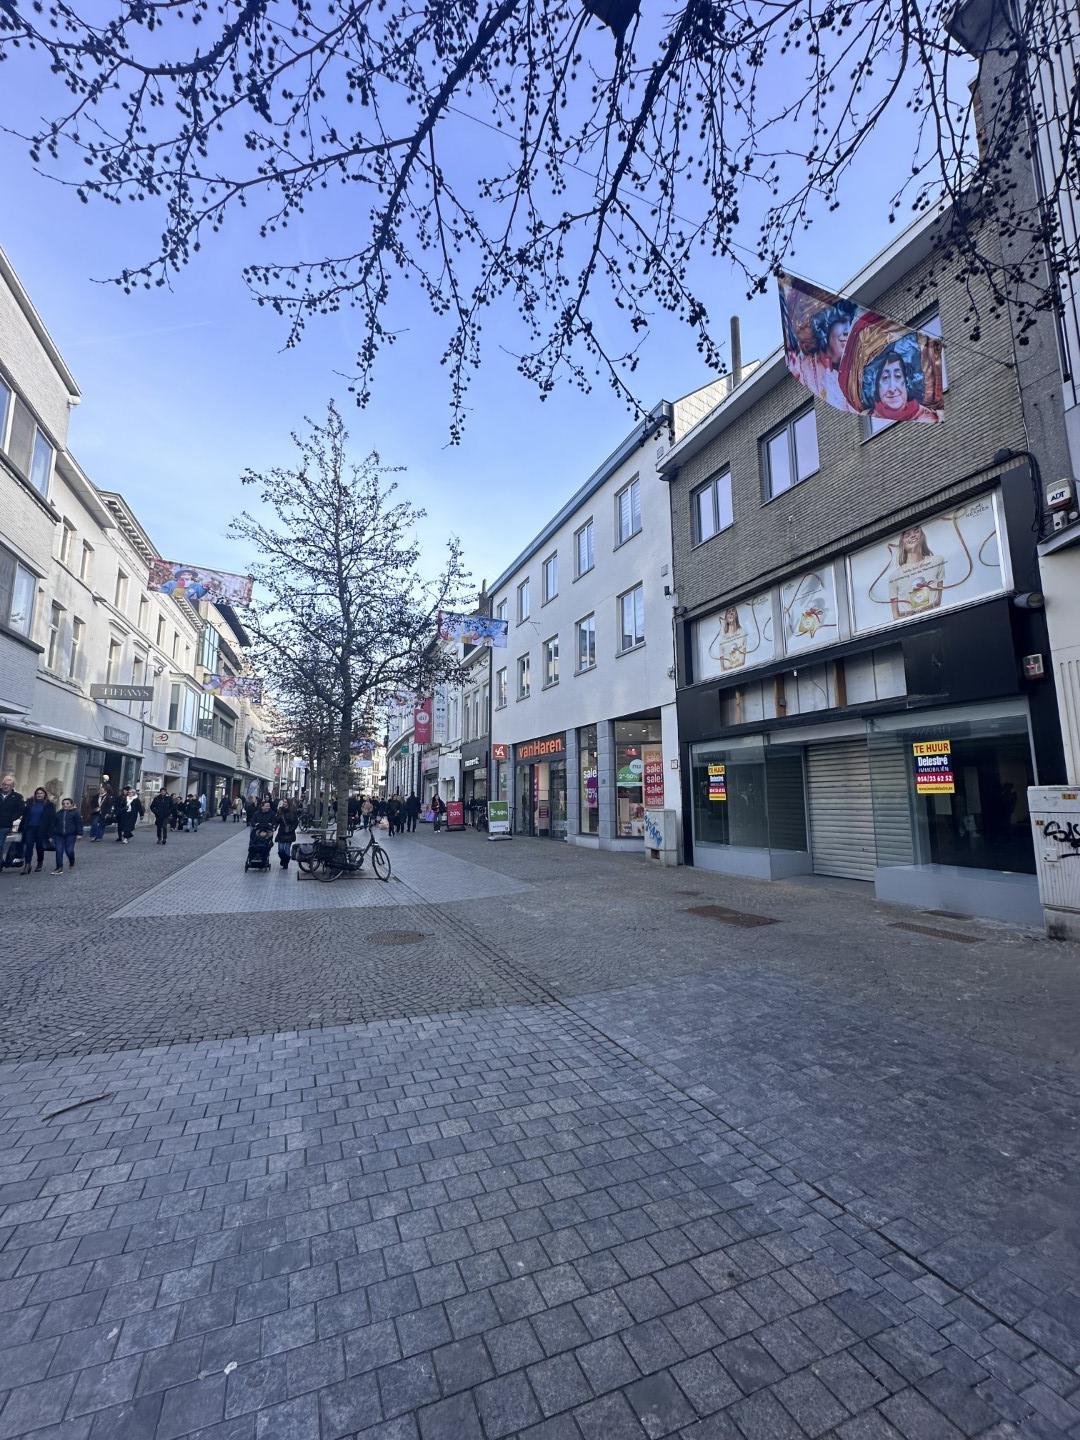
[(590, 780), (35, 761), (632, 619), (41, 464), (205, 722), (551, 661), (584, 552), (710, 508), (523, 677), (183, 709), (17, 590), (75, 649), (628, 512), (551, 578), (24, 441), (790, 454), (586, 643), (209, 647), (637, 753), (500, 688), (523, 601), (56, 624)]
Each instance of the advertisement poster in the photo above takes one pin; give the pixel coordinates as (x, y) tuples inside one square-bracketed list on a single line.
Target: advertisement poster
[(858, 361), (717, 782), (654, 779), (738, 636), (592, 790), (498, 817), (933, 767), (948, 560), (191, 582), (422, 722), (473, 629), (455, 815), (242, 687), (808, 611), (438, 719)]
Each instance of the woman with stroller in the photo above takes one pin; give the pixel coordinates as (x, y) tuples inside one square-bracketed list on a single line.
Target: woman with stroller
[(285, 834), (37, 827)]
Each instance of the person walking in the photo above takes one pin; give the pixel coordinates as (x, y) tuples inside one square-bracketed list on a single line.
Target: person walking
[(193, 812), (162, 807), (224, 808), (412, 811), (120, 815), (133, 814), (237, 810), (103, 808), (37, 827), (67, 827), (393, 813), (285, 834), (366, 810), (203, 811), (12, 806), (438, 810)]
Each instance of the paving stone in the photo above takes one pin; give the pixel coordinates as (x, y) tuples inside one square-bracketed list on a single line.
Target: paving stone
[(452, 1419), (748, 1364), (506, 1405), (607, 1364), (609, 1418), (916, 1418), (407, 1384), (705, 1383), (463, 1364), (559, 1384), (348, 1406)]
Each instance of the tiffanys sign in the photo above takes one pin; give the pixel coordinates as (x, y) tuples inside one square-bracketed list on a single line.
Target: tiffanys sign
[(539, 749)]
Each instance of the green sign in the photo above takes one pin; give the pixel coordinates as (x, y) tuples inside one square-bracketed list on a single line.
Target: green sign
[(498, 817)]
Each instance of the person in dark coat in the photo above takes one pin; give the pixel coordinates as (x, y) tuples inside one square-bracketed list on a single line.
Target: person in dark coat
[(285, 834), (393, 814), (223, 809), (193, 811), (163, 809), (438, 810), (67, 827), (412, 810), (37, 827)]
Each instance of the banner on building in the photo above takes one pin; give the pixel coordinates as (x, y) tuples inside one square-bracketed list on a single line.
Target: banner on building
[(933, 767), (363, 747), (193, 582), (439, 718), (237, 687), (858, 361), (422, 722), (473, 629)]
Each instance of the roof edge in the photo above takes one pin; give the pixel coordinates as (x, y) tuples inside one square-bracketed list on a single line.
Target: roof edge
[(30, 313)]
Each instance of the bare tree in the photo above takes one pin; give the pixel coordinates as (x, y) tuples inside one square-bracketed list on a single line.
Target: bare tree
[(582, 160), (343, 615)]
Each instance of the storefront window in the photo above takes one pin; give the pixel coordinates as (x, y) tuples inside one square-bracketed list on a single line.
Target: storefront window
[(589, 780), (35, 761), (728, 788), (637, 751)]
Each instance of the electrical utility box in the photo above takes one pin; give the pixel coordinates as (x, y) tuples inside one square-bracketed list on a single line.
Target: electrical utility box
[(1055, 820)]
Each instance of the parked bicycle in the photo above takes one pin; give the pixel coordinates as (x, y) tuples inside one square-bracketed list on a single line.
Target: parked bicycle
[(324, 859)]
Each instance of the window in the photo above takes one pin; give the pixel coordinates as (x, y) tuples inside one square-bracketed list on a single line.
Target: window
[(183, 709), (205, 723), (67, 537), (120, 594), (551, 578), (523, 601), (112, 664), (161, 632), (25, 442), (174, 706), (632, 619), (41, 464), (75, 650), (523, 677), (144, 613), (138, 668), (500, 688), (584, 554), (791, 454), (500, 613), (628, 512), (710, 508), (17, 587), (56, 621), (929, 325), (551, 661), (209, 646), (586, 643), (86, 563), (482, 720), (176, 645), (5, 410)]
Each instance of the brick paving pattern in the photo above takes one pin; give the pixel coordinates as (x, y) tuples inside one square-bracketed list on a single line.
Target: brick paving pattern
[(578, 1164)]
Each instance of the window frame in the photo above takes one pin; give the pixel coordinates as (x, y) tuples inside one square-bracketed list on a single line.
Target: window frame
[(523, 593), (67, 539), (625, 595), (23, 582), (524, 674), (86, 562), (712, 487), (78, 630), (121, 590), (580, 669), (585, 527), (547, 656), (502, 687), (115, 653), (54, 635), (546, 595), (620, 538), (787, 428), (502, 610)]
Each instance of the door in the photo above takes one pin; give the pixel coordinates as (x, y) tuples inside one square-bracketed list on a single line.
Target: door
[(558, 799), (841, 810)]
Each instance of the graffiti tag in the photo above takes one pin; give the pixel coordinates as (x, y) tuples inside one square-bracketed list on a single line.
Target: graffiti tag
[(1067, 834)]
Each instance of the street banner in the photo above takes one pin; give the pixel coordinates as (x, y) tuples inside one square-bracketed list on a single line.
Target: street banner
[(455, 815), (933, 767), (238, 687), (498, 817), (439, 718), (473, 629), (422, 722), (193, 582), (858, 361), (364, 747)]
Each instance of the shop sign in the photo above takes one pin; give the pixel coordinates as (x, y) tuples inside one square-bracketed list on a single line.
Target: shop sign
[(422, 722), (500, 752), (160, 740), (592, 790), (654, 780), (630, 773), (142, 693), (472, 764), (498, 817), (115, 736), (717, 782), (455, 815), (539, 749), (174, 767), (933, 767)]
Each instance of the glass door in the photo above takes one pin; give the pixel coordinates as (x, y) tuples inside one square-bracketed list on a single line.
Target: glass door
[(557, 787)]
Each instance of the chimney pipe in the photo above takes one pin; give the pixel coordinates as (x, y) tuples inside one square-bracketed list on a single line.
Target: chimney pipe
[(736, 352)]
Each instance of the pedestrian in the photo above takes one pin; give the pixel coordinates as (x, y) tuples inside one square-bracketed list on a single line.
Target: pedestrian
[(366, 810), (12, 806), (412, 811), (103, 806), (163, 809), (120, 815), (177, 819), (393, 813), (37, 827), (132, 813), (67, 827), (285, 835), (237, 810), (224, 807), (438, 810), (202, 805), (193, 812), (250, 809)]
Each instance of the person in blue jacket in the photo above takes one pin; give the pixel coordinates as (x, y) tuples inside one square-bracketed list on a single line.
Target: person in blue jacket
[(67, 827), (37, 827)]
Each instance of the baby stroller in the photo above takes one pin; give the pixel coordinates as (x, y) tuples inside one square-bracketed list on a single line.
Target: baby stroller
[(259, 842)]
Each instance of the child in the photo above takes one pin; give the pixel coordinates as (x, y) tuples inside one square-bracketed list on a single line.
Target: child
[(67, 827)]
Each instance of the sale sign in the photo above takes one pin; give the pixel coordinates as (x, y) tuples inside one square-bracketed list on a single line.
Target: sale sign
[(933, 767), (455, 815), (654, 779), (422, 722)]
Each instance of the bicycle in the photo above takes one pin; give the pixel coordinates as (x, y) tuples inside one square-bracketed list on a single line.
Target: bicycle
[(332, 861), (480, 818)]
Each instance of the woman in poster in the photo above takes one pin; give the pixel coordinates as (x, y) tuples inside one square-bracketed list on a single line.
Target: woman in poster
[(882, 371), (918, 576), (729, 646), (818, 368)]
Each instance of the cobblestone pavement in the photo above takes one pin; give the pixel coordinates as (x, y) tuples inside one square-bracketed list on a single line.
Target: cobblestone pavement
[(569, 1162)]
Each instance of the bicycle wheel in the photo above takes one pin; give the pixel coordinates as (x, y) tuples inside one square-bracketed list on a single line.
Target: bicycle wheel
[(380, 862)]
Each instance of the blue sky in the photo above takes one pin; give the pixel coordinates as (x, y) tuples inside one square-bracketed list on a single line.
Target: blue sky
[(185, 388)]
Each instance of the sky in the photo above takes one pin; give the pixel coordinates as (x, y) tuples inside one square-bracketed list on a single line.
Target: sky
[(185, 388)]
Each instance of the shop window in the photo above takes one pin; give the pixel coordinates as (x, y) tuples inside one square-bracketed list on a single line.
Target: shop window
[(632, 619), (584, 552), (628, 512), (551, 578), (637, 754), (589, 767), (551, 661), (790, 454), (745, 794), (35, 761), (710, 508), (586, 643)]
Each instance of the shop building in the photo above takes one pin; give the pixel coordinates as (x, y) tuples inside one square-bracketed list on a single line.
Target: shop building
[(583, 725), (853, 698)]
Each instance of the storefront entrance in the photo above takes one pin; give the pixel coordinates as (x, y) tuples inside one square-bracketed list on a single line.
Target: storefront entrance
[(841, 810), (540, 800)]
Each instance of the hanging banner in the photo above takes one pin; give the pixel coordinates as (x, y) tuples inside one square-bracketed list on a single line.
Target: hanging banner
[(364, 748), (717, 782), (473, 629), (933, 767), (422, 722), (438, 720), (858, 361), (240, 687), (191, 582)]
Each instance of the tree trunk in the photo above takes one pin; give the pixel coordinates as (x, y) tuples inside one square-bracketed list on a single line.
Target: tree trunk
[(342, 774)]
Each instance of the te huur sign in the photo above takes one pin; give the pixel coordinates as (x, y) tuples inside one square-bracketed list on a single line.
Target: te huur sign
[(550, 747)]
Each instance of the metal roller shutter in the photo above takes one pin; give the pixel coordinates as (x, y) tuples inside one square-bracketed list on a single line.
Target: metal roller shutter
[(841, 810)]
